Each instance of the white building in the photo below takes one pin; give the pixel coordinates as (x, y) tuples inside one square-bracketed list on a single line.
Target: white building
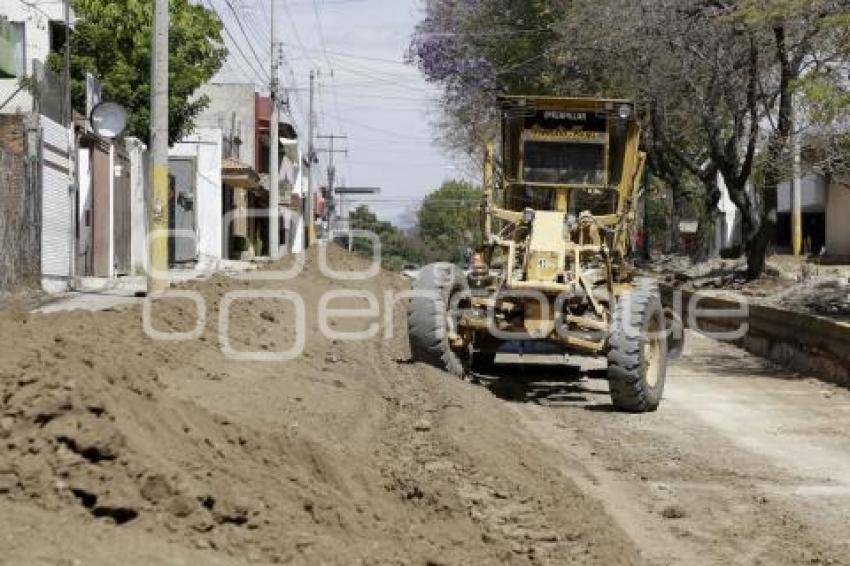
[(728, 226), (31, 30), (195, 206)]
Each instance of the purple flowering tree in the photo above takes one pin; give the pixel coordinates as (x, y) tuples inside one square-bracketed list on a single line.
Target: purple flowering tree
[(478, 49)]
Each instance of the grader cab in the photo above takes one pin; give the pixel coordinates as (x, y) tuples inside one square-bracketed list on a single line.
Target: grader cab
[(554, 263)]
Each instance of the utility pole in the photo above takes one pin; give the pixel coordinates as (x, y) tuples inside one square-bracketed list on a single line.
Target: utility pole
[(311, 156), (68, 122), (158, 226), (274, 164), (331, 167), (331, 151), (67, 109)]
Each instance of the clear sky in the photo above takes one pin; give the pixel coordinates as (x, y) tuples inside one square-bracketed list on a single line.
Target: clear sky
[(365, 90)]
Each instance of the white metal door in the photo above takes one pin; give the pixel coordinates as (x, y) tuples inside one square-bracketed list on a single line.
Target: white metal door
[(57, 206)]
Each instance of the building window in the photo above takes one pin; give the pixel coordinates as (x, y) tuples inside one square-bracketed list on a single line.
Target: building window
[(12, 50), (57, 36)]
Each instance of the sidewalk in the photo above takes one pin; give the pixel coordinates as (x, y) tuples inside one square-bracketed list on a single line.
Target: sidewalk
[(100, 293)]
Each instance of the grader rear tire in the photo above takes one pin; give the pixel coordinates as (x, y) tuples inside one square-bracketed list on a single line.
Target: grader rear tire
[(429, 318), (637, 354)]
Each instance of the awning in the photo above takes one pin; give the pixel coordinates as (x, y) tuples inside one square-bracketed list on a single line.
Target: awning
[(239, 174)]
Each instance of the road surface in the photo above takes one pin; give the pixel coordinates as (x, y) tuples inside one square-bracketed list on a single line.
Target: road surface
[(744, 463), (120, 448)]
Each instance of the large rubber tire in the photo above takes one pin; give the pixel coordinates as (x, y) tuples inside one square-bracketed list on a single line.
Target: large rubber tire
[(637, 362), (427, 326)]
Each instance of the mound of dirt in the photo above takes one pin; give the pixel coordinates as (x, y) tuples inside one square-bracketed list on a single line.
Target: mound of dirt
[(122, 448)]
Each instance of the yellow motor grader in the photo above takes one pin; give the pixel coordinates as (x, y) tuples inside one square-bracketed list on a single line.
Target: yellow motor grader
[(554, 262)]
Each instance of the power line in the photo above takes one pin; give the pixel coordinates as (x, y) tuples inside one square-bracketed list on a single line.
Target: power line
[(481, 33), (321, 33), (376, 76), (296, 35), (383, 131), (363, 57), (262, 76), (244, 33), (323, 43)]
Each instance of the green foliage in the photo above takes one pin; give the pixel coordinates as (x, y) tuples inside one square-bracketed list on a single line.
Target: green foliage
[(449, 221), (397, 248), (112, 41)]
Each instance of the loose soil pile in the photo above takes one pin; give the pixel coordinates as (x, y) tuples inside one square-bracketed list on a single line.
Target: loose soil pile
[(791, 283), (118, 448)]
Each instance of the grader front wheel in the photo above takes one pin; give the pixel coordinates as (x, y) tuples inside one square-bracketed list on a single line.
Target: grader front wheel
[(431, 322), (637, 355)]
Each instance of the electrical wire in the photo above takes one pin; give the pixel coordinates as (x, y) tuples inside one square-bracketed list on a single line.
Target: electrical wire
[(387, 132), (263, 77), (245, 34), (291, 21)]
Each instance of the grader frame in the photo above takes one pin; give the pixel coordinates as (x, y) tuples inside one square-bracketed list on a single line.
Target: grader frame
[(554, 262)]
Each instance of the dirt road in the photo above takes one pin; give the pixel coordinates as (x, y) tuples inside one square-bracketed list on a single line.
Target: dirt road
[(744, 463), (124, 449)]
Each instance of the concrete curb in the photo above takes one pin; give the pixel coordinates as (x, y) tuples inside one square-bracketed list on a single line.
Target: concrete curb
[(801, 342)]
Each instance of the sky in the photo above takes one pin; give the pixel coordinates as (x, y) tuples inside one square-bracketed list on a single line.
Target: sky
[(364, 89)]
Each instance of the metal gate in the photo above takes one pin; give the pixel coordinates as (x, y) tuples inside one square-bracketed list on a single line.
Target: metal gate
[(182, 240), (100, 210), (57, 206), (121, 211)]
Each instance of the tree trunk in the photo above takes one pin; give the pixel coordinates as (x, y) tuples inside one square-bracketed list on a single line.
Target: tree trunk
[(757, 246), (675, 217), (707, 229)]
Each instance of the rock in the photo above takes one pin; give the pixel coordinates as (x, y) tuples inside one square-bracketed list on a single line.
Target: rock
[(156, 488), (8, 481), (422, 425), (229, 511), (49, 408), (674, 512), (181, 505), (89, 437), (332, 358)]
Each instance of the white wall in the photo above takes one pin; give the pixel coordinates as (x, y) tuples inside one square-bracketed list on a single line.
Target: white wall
[(36, 17), (205, 147), (138, 206), (837, 223), (812, 191), (84, 200), (729, 221), (225, 101)]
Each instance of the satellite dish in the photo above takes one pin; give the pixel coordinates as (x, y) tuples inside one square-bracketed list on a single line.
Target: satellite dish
[(108, 119)]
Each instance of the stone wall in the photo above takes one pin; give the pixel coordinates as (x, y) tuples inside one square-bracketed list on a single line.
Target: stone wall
[(20, 207)]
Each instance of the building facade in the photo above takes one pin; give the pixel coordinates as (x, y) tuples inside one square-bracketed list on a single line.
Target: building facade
[(29, 31)]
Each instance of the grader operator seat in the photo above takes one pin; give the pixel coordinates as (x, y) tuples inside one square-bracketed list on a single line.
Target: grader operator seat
[(573, 156)]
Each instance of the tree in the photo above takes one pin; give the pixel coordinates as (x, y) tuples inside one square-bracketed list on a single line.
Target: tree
[(478, 50), (714, 81), (111, 39), (448, 221), (396, 247), (809, 46)]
